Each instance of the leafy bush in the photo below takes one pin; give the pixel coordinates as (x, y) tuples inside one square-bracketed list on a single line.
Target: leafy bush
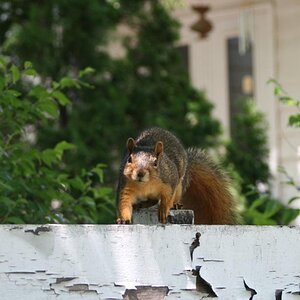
[(267, 210), (283, 97), (248, 151), (294, 121), (246, 156), (34, 184), (146, 86)]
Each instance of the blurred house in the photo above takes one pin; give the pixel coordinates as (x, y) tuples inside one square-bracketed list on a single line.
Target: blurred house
[(251, 41)]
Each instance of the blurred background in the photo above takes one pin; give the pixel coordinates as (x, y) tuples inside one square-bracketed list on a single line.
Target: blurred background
[(77, 78)]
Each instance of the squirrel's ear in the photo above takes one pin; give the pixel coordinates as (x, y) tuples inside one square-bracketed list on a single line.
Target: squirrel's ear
[(130, 144), (159, 147)]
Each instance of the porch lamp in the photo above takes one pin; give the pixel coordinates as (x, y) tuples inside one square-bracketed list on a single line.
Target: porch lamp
[(202, 26)]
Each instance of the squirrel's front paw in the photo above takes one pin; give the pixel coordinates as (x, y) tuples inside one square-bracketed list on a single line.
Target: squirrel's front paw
[(122, 221), (163, 214)]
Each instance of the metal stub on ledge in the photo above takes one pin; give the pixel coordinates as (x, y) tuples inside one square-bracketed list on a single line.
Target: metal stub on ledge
[(181, 216), (149, 216)]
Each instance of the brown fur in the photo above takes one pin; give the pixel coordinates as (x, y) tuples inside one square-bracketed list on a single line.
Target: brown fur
[(208, 199), (208, 192), (158, 168), (153, 189)]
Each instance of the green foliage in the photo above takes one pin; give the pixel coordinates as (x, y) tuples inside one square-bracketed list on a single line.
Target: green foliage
[(162, 94), (248, 151), (34, 184), (266, 210), (294, 121), (283, 97), (246, 157), (145, 87), (291, 182)]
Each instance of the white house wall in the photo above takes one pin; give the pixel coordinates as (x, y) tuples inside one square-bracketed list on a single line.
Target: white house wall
[(276, 55), (288, 64)]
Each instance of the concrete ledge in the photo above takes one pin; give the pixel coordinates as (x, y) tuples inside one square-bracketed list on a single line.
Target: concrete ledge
[(149, 262), (149, 216)]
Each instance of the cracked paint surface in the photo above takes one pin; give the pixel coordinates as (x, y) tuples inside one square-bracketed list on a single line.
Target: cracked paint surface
[(149, 262)]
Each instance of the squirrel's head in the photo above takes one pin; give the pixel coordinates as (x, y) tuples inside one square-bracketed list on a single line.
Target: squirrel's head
[(142, 162)]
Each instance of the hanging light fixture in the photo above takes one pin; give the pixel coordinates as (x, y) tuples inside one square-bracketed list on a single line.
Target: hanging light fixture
[(246, 30), (202, 26)]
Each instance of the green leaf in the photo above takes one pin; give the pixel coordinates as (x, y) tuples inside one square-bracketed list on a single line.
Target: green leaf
[(289, 215), (108, 212), (69, 82), (88, 201), (30, 72), (61, 98), (3, 63), (27, 166), (27, 64), (258, 202), (293, 199), (294, 120), (61, 147), (277, 91), (264, 221), (272, 208), (55, 85), (85, 84), (5, 186), (49, 157), (14, 220), (47, 105), (87, 70), (15, 73), (102, 192), (39, 92), (287, 100), (99, 171), (7, 202), (77, 183)]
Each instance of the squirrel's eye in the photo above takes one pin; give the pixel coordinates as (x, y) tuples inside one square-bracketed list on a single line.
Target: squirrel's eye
[(129, 159), (155, 163)]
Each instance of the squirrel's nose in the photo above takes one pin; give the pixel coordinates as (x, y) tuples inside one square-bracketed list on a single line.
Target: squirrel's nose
[(140, 174)]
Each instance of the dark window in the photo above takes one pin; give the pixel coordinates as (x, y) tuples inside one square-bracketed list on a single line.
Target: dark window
[(240, 74), (184, 57)]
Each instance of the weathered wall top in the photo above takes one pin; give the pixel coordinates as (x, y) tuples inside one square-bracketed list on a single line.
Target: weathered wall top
[(149, 262)]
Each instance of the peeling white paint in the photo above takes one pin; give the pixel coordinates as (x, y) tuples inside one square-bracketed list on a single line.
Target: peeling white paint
[(102, 262)]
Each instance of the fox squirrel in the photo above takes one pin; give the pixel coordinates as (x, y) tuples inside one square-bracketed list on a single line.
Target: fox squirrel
[(157, 167)]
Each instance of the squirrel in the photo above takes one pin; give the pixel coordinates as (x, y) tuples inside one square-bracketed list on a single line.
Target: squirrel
[(157, 167)]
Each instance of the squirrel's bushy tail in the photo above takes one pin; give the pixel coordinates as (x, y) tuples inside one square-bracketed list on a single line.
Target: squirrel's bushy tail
[(207, 191)]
